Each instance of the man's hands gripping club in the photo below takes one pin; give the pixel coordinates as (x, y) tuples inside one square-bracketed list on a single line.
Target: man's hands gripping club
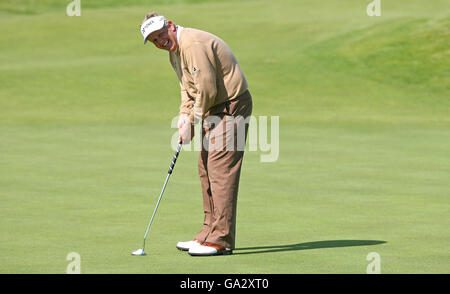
[(185, 129)]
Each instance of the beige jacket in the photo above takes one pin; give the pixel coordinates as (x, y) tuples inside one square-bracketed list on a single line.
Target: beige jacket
[(208, 72)]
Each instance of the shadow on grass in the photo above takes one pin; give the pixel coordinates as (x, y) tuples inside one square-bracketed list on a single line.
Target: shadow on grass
[(307, 246)]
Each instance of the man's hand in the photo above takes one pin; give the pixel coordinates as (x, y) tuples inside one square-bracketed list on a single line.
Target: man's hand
[(185, 129)]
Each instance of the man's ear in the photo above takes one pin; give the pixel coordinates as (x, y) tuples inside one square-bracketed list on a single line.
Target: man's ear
[(172, 26)]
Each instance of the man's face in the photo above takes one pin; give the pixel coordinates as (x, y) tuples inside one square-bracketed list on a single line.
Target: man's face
[(165, 38)]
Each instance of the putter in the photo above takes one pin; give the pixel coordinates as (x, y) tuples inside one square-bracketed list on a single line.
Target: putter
[(140, 251)]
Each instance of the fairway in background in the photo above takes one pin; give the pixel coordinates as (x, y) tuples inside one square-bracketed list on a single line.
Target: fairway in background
[(85, 113)]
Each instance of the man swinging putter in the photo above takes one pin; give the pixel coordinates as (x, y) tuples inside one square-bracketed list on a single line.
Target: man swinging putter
[(212, 86)]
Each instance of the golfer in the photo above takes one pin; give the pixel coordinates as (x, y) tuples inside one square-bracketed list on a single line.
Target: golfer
[(214, 93)]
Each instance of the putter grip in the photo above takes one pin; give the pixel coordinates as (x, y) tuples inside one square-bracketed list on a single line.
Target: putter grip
[(174, 159)]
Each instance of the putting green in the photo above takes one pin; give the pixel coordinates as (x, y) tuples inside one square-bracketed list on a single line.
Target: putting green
[(364, 135)]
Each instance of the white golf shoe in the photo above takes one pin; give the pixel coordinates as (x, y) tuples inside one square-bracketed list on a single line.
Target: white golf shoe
[(185, 246), (209, 249)]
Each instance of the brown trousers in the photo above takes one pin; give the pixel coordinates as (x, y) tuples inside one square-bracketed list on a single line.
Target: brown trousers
[(219, 167)]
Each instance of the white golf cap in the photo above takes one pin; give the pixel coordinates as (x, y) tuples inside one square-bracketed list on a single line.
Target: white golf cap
[(152, 24)]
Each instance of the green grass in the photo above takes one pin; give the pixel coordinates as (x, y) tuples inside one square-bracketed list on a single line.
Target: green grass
[(85, 112)]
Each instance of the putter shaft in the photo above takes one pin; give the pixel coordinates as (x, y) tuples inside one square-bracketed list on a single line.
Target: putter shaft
[(172, 165)]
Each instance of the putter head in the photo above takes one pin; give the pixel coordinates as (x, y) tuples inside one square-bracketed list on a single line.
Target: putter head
[(139, 252)]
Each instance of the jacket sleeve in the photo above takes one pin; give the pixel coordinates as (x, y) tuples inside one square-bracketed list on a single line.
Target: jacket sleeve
[(187, 103), (200, 64)]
